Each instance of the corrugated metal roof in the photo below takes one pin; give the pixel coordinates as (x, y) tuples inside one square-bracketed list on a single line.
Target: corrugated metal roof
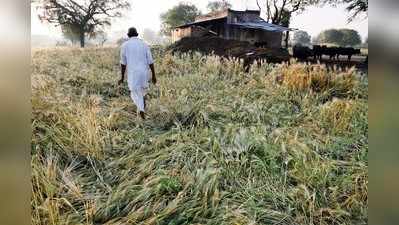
[(263, 25), (199, 22)]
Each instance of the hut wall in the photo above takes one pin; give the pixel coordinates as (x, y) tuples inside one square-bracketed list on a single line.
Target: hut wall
[(267, 38), (180, 33)]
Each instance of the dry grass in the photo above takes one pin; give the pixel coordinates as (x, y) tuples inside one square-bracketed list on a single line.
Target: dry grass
[(318, 79), (221, 146), (340, 113)]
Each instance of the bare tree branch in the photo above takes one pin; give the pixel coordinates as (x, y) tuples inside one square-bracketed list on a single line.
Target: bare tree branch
[(81, 17), (277, 11)]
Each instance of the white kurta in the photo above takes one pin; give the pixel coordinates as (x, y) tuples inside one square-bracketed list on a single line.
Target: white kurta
[(136, 55)]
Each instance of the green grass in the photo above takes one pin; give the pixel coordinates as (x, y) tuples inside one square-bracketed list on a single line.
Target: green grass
[(220, 146)]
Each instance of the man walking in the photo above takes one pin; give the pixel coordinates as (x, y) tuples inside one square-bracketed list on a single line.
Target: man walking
[(137, 59)]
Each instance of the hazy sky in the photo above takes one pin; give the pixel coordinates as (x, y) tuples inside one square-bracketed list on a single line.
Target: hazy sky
[(146, 13)]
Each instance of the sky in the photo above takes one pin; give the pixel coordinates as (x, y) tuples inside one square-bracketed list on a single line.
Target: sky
[(146, 14)]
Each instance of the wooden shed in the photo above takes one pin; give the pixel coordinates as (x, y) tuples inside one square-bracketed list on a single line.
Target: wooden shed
[(234, 25)]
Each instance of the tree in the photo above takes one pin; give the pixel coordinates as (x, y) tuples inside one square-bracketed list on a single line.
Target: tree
[(277, 11), (285, 22), (301, 38), (280, 11), (342, 37), (357, 7), (178, 15), (285, 19), (350, 37), (83, 17), (331, 36), (218, 5)]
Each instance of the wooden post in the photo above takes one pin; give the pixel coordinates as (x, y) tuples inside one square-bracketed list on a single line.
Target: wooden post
[(227, 32), (287, 38)]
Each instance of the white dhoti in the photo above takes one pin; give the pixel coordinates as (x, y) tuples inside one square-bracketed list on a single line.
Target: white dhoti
[(138, 86), (138, 95)]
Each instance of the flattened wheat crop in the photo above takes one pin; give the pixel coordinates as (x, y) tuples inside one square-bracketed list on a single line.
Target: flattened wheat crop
[(282, 144)]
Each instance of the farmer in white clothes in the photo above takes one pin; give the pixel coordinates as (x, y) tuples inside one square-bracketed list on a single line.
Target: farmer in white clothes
[(137, 59)]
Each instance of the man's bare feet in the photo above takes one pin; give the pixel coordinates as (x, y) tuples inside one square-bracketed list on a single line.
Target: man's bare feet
[(142, 115)]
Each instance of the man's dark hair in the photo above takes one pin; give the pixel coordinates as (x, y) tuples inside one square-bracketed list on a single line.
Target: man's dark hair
[(132, 32)]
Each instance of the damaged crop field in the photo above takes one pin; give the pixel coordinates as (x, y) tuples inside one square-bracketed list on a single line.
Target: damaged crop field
[(281, 144)]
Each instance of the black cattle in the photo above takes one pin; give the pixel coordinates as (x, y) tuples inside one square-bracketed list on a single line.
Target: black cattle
[(316, 51), (319, 51), (349, 52), (302, 52), (332, 52)]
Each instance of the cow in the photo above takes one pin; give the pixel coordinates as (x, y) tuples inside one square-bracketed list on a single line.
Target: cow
[(334, 52), (349, 52), (302, 52), (319, 51)]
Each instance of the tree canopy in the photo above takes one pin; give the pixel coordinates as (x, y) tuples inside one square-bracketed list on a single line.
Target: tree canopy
[(331, 36), (357, 7), (351, 37), (341, 37), (178, 15), (81, 17), (301, 38), (218, 5)]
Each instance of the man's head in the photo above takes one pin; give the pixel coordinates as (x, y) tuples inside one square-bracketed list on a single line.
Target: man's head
[(132, 32)]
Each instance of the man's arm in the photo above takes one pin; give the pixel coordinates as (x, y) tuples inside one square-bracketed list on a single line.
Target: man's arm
[(123, 63), (123, 71), (154, 78)]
